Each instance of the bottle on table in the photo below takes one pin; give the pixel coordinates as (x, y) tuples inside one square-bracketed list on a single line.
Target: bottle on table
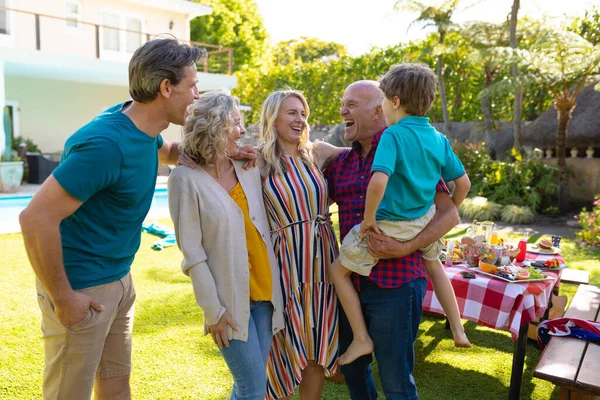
[(450, 253), (522, 249), (494, 237)]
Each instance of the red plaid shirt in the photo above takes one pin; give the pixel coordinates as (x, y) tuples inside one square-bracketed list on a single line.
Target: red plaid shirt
[(347, 178)]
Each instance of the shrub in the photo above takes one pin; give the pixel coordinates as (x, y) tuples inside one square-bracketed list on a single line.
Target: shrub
[(13, 157), (521, 183), (517, 215), (551, 210), (589, 221), (480, 208), (31, 146)]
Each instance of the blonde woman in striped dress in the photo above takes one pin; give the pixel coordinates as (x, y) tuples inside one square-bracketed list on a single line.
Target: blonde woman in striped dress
[(296, 200)]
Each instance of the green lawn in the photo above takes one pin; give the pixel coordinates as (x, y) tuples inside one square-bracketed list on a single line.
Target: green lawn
[(172, 360)]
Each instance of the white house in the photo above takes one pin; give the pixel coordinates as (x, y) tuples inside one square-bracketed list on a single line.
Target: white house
[(64, 61)]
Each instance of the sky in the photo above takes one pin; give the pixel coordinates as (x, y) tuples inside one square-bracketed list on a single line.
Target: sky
[(360, 25)]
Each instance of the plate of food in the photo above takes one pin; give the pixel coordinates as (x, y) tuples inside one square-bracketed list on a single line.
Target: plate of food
[(544, 246), (548, 265), (512, 273)]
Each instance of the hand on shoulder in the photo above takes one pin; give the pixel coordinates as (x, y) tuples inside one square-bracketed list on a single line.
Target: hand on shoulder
[(247, 153)]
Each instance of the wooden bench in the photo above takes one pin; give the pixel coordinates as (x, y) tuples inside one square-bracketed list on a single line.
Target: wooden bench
[(575, 276), (571, 363)]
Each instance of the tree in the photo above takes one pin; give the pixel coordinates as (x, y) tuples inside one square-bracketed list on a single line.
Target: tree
[(489, 43), (307, 50), (518, 106), (236, 24), (441, 18), (564, 63), (588, 26), (322, 83)]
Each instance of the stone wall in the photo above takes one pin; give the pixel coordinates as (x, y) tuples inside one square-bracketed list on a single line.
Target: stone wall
[(498, 142), (584, 183)]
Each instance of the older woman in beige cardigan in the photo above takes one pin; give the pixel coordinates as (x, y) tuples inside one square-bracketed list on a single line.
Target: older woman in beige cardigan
[(223, 233)]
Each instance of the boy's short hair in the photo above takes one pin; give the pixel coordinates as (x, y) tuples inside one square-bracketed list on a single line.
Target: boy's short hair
[(414, 84)]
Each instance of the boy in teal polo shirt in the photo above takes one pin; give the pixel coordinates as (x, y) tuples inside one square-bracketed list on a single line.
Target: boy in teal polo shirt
[(410, 158)]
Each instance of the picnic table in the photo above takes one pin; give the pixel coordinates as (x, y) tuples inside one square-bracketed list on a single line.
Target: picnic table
[(500, 305)]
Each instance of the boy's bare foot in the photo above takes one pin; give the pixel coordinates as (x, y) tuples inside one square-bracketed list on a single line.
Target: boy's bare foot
[(461, 340), (356, 350)]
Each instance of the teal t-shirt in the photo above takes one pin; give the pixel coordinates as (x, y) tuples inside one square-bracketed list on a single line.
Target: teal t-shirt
[(414, 155), (111, 166)]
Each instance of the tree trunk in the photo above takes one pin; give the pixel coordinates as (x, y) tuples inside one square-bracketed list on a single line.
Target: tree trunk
[(486, 111), (564, 108), (443, 100), (490, 139), (439, 69), (457, 105), (518, 106)]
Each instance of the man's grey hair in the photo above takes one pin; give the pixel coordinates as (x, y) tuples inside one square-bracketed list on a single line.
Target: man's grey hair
[(157, 60), (377, 96)]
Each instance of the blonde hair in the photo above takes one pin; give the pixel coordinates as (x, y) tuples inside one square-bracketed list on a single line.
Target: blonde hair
[(268, 134), (208, 127)]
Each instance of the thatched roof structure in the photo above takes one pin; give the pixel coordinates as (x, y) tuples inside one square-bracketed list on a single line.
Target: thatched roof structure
[(584, 128)]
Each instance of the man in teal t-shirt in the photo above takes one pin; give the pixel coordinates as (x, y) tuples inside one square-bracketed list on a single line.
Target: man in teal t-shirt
[(116, 166), (82, 229)]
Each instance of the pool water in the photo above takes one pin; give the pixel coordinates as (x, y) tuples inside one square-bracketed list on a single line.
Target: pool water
[(11, 207), (160, 204)]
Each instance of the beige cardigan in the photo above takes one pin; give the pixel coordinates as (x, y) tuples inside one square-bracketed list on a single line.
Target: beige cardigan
[(210, 232)]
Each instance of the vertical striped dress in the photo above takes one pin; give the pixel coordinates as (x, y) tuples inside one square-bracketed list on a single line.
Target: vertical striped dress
[(305, 246)]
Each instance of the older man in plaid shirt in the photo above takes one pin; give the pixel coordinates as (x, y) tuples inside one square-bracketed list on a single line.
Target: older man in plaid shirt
[(392, 295)]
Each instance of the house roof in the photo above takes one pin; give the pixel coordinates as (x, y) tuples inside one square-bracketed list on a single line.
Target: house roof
[(583, 130), (187, 7)]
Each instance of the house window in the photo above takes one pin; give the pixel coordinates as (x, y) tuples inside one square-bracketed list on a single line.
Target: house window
[(134, 40), (111, 36), (121, 34), (4, 18), (72, 12)]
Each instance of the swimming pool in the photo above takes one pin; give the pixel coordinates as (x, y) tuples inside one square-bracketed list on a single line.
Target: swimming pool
[(11, 207)]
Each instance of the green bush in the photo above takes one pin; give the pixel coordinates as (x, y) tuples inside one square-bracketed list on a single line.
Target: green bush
[(480, 208), (31, 147), (589, 221), (13, 157), (520, 183), (517, 215)]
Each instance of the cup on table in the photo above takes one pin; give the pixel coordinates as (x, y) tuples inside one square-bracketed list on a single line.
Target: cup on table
[(556, 240)]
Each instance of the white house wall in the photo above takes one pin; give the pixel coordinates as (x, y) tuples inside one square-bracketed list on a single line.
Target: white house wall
[(62, 86), (58, 38), (51, 111)]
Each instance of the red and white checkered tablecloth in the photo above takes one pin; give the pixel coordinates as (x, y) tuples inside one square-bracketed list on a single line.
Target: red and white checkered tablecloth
[(493, 302)]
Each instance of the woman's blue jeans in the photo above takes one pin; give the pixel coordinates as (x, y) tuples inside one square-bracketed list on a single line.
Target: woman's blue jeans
[(247, 361), (392, 317)]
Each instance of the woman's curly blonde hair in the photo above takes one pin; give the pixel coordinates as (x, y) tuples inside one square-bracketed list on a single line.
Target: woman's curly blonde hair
[(268, 134), (208, 126)]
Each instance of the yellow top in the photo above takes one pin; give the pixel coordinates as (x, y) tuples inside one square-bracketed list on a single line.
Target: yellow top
[(258, 259)]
